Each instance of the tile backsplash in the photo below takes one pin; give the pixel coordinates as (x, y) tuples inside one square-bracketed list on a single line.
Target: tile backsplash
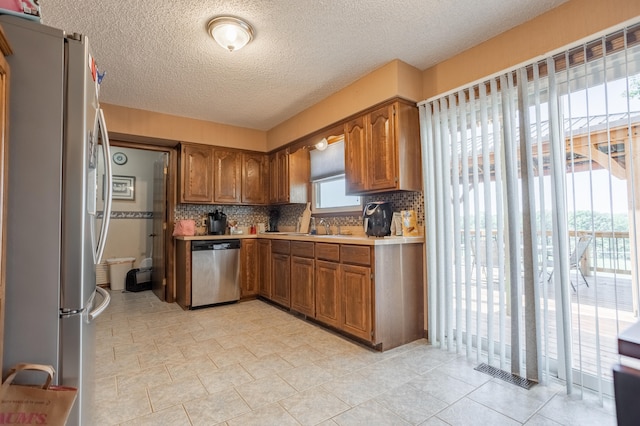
[(289, 214), (245, 215)]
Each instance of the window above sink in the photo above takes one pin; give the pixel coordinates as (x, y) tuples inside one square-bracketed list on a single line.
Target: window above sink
[(328, 183)]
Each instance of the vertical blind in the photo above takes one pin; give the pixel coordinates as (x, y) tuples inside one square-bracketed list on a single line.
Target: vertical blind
[(532, 189)]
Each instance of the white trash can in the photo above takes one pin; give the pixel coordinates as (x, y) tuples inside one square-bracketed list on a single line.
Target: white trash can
[(118, 268)]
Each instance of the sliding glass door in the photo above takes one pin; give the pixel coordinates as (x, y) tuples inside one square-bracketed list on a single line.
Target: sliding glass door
[(532, 183)]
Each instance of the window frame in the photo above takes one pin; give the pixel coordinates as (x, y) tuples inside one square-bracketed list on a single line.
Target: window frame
[(354, 209)]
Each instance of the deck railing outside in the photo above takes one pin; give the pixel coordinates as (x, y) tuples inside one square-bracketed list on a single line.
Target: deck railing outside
[(610, 251)]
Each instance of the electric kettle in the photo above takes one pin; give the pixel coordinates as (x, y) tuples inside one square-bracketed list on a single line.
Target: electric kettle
[(376, 219)]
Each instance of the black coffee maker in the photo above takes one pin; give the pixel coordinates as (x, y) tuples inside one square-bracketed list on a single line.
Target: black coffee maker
[(274, 215), (217, 223)]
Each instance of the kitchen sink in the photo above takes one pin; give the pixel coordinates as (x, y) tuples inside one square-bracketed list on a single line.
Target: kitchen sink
[(285, 233), (338, 236), (292, 233)]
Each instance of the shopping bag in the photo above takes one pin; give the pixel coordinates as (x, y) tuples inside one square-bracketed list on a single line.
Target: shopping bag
[(34, 404)]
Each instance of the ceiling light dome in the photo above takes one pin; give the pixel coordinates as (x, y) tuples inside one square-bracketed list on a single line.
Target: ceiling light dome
[(322, 145), (230, 33)]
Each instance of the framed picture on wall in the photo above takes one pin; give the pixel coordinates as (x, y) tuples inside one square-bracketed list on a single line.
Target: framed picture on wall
[(124, 188)]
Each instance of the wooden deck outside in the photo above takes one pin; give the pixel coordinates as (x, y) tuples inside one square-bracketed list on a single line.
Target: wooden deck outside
[(594, 317)]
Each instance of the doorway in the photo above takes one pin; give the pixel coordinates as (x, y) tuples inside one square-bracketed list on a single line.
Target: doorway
[(139, 227)]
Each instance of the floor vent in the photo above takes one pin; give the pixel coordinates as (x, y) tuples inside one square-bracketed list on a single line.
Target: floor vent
[(503, 375)]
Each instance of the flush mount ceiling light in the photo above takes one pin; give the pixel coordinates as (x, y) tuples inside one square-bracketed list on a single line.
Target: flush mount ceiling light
[(230, 33)]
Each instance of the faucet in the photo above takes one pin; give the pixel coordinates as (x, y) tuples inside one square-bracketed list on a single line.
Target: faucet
[(327, 226)]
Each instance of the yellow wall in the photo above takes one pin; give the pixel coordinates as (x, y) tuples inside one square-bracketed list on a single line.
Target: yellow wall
[(146, 124), (396, 78), (562, 26)]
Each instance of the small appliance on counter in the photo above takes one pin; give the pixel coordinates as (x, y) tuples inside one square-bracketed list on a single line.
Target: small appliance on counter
[(376, 219), (274, 215), (217, 223)]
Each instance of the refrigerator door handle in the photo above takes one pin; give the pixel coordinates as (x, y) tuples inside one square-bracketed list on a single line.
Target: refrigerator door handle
[(108, 186), (106, 299)]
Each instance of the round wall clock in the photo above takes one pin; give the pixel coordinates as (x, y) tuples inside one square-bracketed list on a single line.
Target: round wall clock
[(120, 158)]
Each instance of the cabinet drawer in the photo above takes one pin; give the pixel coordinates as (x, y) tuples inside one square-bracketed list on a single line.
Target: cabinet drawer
[(326, 251), (302, 248), (358, 255), (280, 246)]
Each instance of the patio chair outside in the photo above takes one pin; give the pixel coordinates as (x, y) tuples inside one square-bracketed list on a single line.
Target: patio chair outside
[(575, 258), (481, 259)]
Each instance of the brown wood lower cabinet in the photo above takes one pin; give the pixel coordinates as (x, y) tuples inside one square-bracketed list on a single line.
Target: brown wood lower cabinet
[(356, 289), (372, 293), (183, 273), (302, 278), (356, 301), (264, 268), (249, 268), (281, 272), (281, 279), (302, 285), (328, 293)]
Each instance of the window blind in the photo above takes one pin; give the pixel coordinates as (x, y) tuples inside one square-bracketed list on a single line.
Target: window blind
[(329, 162)]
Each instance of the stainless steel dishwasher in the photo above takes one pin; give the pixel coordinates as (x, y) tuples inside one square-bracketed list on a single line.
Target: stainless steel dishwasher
[(215, 272)]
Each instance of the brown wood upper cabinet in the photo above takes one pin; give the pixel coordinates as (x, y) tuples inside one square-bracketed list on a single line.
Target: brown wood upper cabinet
[(289, 177), (196, 174), (254, 178), (227, 166), (382, 150), (212, 175)]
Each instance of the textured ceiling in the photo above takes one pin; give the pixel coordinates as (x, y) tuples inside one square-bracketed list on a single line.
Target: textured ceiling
[(159, 56)]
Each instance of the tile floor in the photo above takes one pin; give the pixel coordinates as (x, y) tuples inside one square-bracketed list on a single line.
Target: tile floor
[(252, 364)]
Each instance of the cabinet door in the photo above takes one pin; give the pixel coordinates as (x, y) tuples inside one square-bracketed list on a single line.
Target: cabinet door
[(355, 156), (328, 293), (249, 268), (356, 299), (196, 174), (264, 268), (183, 273), (382, 149), (281, 279), (253, 178), (273, 179), (302, 285), (283, 176), (228, 169)]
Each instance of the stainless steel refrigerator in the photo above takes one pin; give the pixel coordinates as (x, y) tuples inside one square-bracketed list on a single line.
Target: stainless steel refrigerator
[(55, 236)]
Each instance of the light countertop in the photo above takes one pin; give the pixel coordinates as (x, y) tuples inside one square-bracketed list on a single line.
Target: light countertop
[(321, 238)]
